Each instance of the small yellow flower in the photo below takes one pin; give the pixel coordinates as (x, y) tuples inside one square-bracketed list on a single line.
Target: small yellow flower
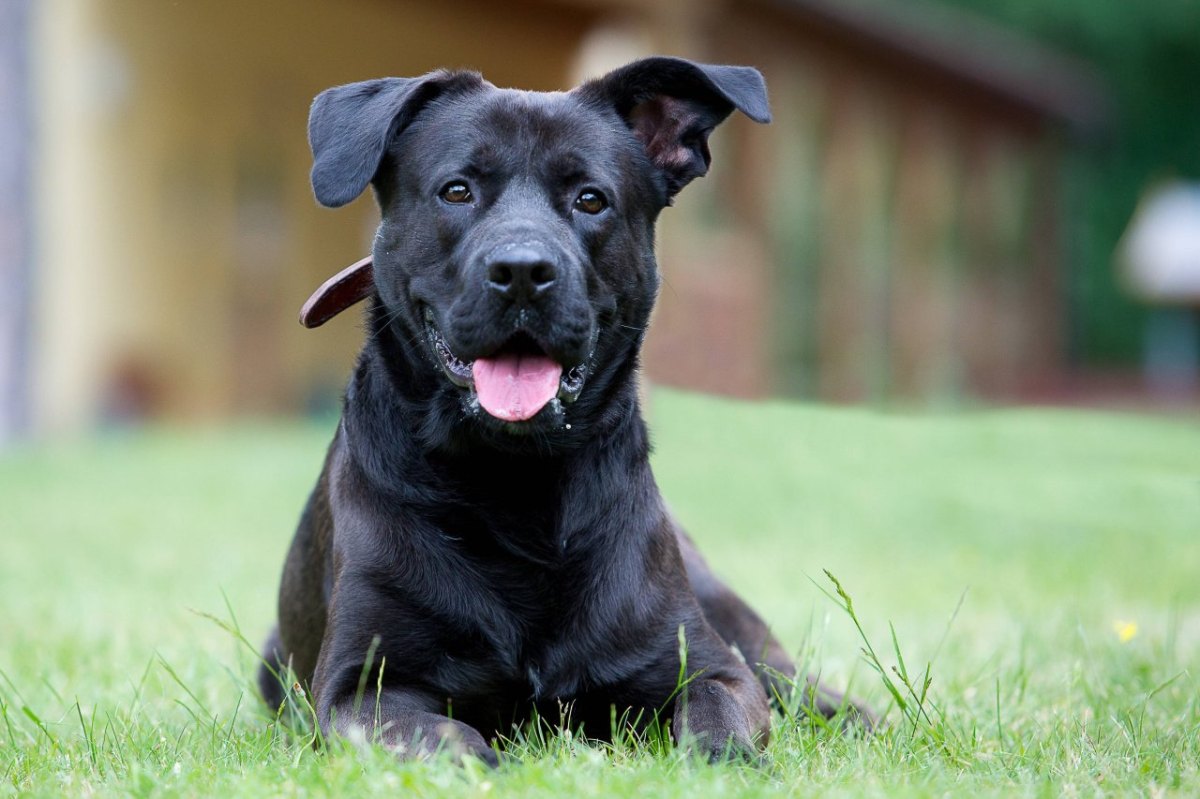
[(1125, 630)]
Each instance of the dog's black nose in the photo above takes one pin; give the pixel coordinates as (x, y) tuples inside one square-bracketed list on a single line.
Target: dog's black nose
[(520, 273)]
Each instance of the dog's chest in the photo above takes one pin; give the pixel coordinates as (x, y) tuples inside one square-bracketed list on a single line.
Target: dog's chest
[(542, 637), (546, 612)]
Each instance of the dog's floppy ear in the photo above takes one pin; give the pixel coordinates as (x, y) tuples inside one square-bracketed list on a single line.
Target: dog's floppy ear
[(672, 104), (349, 127)]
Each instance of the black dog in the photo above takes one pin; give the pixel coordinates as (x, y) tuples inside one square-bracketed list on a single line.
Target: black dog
[(486, 538)]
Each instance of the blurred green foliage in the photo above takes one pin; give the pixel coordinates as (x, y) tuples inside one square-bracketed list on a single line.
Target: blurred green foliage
[(1148, 55)]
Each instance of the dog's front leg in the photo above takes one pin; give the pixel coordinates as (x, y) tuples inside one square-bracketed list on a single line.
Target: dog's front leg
[(406, 721), (722, 711), (365, 681)]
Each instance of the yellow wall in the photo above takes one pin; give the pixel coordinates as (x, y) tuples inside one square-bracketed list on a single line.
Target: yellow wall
[(177, 234)]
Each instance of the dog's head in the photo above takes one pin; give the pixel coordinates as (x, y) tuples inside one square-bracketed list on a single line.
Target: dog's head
[(514, 265)]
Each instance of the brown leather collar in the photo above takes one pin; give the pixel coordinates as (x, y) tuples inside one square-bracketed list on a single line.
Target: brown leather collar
[(349, 286)]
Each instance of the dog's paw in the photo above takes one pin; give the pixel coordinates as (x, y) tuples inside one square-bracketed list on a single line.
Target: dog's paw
[(848, 715), (711, 722), (825, 706), (734, 749), (427, 735), (859, 716), (461, 741)]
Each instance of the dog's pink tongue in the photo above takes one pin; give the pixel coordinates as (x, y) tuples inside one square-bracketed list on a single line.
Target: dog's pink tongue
[(515, 387)]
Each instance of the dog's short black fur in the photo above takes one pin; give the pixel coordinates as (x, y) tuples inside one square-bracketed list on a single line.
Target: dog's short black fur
[(511, 565)]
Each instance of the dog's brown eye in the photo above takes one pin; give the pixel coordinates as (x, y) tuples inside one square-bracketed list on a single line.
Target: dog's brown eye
[(456, 193), (591, 201)]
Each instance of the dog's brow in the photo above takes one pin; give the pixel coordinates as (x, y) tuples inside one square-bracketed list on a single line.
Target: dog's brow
[(568, 166), (480, 170), (484, 159)]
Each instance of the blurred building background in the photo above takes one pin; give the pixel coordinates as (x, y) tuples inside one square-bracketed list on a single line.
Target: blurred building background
[(909, 228)]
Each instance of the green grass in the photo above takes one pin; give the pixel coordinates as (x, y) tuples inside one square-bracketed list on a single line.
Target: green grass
[(1004, 548)]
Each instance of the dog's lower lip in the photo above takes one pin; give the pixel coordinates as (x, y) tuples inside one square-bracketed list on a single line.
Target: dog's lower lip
[(461, 373)]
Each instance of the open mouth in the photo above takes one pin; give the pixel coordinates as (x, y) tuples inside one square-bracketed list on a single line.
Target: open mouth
[(515, 382)]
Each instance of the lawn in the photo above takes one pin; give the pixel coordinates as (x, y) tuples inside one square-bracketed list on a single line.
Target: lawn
[(1042, 567)]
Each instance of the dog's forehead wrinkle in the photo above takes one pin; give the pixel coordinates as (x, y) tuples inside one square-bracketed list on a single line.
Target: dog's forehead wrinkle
[(544, 119)]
